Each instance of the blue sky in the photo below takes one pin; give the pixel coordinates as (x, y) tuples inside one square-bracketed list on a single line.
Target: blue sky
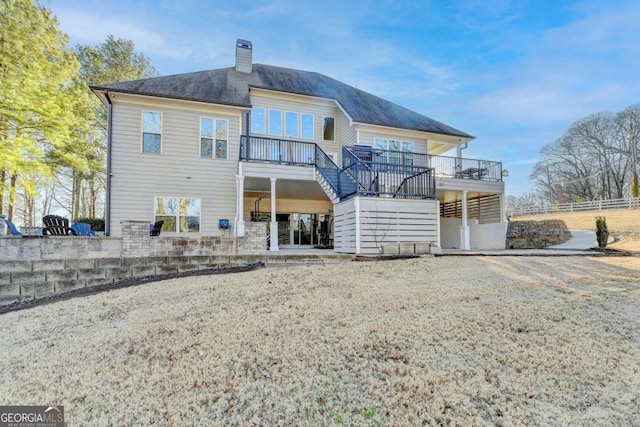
[(514, 73)]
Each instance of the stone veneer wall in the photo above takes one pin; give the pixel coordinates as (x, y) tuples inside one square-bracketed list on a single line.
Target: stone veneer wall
[(32, 268), (536, 234)]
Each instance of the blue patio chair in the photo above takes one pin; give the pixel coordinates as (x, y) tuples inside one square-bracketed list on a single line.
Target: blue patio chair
[(83, 229), (12, 228)]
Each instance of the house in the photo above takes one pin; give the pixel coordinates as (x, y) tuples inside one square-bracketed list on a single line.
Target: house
[(322, 162)]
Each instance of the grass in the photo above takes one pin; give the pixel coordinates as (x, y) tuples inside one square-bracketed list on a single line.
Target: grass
[(624, 225), (426, 341)]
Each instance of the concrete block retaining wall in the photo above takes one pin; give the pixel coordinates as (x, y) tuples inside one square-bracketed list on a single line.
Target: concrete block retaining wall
[(32, 268)]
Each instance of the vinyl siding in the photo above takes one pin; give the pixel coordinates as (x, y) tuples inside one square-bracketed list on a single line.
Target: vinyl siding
[(178, 171), (347, 135), (302, 105)]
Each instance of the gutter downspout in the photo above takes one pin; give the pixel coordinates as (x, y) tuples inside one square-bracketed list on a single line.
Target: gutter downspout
[(107, 201)]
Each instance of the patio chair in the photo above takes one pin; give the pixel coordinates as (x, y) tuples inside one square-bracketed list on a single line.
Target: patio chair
[(155, 229), (55, 225), (12, 228), (83, 229)]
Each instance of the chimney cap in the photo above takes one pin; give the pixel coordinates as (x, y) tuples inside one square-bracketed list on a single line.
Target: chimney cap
[(244, 43)]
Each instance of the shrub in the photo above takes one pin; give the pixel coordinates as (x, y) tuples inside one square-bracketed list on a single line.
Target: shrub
[(97, 224), (602, 232)]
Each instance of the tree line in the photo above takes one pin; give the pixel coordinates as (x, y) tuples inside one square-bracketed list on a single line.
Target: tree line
[(52, 127), (595, 159)]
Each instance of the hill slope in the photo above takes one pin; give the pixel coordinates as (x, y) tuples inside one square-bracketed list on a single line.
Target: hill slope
[(624, 225)]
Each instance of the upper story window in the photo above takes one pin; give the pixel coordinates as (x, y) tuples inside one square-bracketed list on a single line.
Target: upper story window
[(307, 126), (393, 144), (151, 132), (180, 215), (395, 155), (291, 124), (214, 137), (328, 129), (275, 122), (258, 120)]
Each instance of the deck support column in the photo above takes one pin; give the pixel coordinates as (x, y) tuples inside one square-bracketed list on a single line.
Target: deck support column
[(465, 242), (239, 206), (274, 224)]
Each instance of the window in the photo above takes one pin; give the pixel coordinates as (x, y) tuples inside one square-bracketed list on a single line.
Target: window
[(180, 215), (258, 120), (400, 152), (151, 132), (307, 126), (275, 122), (392, 144), (214, 130), (291, 124), (328, 128)]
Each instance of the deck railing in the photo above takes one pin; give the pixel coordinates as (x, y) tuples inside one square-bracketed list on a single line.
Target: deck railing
[(273, 150), (459, 167), (370, 171), (382, 176)]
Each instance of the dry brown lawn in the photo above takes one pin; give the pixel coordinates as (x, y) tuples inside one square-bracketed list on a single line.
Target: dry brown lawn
[(450, 340), (623, 224)]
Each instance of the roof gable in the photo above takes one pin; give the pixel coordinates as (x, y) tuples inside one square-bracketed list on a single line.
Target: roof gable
[(230, 87)]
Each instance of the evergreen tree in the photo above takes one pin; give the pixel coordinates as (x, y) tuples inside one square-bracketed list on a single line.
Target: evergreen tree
[(38, 118)]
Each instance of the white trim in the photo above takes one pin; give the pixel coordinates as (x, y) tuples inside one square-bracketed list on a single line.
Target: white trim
[(121, 97), (424, 134), (356, 208)]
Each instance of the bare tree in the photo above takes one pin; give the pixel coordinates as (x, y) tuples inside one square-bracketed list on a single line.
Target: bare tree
[(592, 160)]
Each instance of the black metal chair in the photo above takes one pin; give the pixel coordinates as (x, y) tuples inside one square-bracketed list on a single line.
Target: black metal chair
[(55, 225), (156, 228)]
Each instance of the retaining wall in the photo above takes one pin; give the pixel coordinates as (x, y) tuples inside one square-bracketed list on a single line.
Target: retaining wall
[(37, 267), (536, 234)]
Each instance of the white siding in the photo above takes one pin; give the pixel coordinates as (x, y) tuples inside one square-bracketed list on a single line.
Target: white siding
[(347, 135), (376, 222), (179, 171), (344, 227)]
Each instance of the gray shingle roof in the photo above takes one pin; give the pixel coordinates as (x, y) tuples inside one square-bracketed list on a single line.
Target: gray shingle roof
[(230, 87)]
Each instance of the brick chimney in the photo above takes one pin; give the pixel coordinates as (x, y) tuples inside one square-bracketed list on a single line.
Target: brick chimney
[(244, 56)]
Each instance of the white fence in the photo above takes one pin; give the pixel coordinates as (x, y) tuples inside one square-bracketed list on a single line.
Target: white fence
[(594, 205)]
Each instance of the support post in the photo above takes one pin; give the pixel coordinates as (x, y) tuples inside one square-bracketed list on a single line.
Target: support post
[(274, 224), (239, 226), (465, 243)]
